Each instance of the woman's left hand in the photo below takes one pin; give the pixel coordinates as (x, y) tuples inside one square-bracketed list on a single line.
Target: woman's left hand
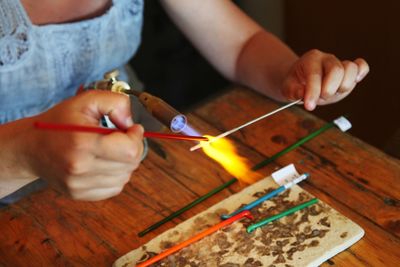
[(320, 78)]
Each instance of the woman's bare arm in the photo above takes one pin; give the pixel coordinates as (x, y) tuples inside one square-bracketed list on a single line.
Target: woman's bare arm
[(244, 52)]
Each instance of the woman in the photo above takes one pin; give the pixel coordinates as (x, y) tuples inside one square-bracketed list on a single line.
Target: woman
[(48, 48)]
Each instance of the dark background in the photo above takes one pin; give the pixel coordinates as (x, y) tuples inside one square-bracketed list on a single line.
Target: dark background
[(173, 70)]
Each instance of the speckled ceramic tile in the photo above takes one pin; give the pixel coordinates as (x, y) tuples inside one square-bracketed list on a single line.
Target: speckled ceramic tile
[(305, 238)]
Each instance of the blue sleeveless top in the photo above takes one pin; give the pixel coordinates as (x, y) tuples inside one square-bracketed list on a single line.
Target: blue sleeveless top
[(42, 65)]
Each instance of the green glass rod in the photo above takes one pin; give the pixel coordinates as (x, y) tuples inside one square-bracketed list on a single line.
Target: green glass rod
[(263, 222)]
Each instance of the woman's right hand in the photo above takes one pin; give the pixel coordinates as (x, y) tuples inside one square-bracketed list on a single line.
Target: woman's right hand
[(86, 166)]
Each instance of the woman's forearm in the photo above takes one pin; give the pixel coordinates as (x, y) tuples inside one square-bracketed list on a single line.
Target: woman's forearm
[(236, 45), (218, 29), (263, 64), (13, 146)]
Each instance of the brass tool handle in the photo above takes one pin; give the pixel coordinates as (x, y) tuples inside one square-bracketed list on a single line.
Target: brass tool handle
[(111, 83)]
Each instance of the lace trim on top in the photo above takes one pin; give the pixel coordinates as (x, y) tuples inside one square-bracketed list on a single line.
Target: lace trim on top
[(14, 33)]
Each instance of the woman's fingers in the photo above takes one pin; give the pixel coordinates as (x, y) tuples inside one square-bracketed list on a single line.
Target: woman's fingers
[(334, 72), (321, 78), (96, 194), (363, 69), (123, 147), (98, 180), (95, 104), (349, 77)]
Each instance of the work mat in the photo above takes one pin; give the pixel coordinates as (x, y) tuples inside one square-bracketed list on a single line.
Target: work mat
[(306, 238)]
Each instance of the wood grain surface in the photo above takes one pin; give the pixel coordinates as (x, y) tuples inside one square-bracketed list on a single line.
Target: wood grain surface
[(359, 181)]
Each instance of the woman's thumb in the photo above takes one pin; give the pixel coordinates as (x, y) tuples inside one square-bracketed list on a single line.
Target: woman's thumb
[(116, 106)]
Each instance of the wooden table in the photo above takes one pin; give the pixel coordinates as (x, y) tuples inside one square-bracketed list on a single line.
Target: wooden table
[(361, 182)]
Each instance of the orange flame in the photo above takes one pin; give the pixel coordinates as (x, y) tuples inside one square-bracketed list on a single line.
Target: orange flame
[(224, 152)]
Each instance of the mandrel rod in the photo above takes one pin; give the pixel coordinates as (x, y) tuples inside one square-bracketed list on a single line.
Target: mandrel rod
[(243, 125)]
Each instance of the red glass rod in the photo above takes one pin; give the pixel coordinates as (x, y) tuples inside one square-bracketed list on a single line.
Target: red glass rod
[(101, 130)]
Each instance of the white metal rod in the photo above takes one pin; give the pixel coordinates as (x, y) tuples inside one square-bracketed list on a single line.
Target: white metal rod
[(243, 125)]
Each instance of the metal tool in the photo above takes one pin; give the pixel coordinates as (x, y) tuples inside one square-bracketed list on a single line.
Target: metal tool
[(158, 108)]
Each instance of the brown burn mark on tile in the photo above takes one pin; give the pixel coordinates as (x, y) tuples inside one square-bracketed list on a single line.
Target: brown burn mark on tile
[(343, 235)]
